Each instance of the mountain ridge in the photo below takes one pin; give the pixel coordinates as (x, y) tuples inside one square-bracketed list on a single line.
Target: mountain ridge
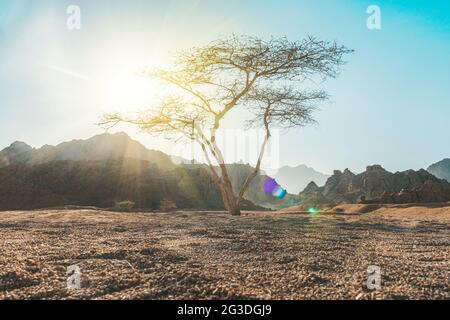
[(26, 171), (99, 147), (56, 174), (377, 185), (441, 169)]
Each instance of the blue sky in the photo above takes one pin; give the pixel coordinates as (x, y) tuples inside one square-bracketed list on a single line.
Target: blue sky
[(391, 104)]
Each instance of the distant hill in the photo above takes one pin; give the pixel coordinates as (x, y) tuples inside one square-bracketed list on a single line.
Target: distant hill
[(295, 179), (100, 147), (17, 152), (376, 185), (441, 169)]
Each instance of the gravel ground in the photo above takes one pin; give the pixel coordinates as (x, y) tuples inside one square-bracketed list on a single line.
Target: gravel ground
[(187, 255)]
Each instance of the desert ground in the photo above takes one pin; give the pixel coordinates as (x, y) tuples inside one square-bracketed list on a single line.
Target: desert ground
[(210, 255)]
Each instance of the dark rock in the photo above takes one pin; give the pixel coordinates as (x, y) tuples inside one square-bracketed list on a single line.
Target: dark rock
[(112, 168), (377, 185)]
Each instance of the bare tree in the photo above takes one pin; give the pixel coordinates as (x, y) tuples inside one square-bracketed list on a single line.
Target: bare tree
[(261, 76)]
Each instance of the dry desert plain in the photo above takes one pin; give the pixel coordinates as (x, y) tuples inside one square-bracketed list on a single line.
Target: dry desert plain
[(210, 255)]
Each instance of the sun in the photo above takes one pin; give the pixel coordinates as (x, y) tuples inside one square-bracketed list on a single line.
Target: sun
[(126, 91), (123, 87)]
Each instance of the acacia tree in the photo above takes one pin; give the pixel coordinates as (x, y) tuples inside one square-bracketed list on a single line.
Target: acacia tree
[(268, 78)]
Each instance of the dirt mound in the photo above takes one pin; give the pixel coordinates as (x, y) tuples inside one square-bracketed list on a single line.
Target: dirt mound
[(343, 208), (429, 211), (356, 208), (306, 208)]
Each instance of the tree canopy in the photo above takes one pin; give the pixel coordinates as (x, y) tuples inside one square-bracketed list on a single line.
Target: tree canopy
[(265, 77)]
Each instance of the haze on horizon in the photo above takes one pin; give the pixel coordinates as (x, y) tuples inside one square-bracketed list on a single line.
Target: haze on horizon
[(390, 106)]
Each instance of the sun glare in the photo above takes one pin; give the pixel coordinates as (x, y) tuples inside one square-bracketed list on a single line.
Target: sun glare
[(123, 87), (128, 91)]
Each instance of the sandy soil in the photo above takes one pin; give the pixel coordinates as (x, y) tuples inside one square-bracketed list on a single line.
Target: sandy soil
[(187, 255)]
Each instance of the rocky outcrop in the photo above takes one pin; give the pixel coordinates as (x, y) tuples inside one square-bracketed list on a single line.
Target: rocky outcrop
[(377, 185), (313, 195), (339, 186), (441, 169)]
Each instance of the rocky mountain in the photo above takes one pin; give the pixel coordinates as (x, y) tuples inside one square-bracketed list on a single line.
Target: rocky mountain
[(100, 147), (112, 168), (312, 195), (295, 179), (109, 169), (441, 169), (106, 184), (376, 185)]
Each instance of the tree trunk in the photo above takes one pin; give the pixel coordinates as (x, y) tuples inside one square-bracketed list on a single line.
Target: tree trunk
[(235, 212), (230, 200), (232, 206)]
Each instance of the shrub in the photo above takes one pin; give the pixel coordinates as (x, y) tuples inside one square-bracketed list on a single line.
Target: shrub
[(124, 205), (167, 205)]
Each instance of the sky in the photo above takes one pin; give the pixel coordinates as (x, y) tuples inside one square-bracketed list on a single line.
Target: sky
[(389, 106)]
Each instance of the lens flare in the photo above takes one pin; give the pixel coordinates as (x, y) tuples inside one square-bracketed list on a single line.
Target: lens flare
[(271, 187)]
